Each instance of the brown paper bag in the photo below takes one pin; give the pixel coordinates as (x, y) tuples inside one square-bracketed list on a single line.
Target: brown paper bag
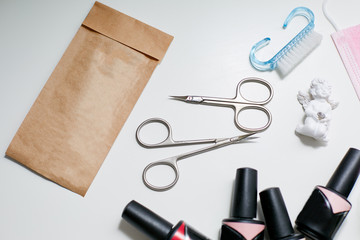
[(78, 114)]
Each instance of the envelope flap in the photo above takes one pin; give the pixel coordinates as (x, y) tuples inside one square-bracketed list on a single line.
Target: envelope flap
[(128, 31)]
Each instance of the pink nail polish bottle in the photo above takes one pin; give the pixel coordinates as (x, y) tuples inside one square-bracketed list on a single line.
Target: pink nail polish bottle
[(242, 224), (328, 206)]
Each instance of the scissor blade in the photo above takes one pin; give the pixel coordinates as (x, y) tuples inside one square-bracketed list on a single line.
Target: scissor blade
[(189, 99), (243, 137)]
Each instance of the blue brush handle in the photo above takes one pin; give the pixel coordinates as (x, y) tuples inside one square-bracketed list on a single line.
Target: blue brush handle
[(272, 63)]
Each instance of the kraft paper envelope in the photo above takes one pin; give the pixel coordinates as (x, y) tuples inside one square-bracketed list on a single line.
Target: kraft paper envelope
[(73, 123)]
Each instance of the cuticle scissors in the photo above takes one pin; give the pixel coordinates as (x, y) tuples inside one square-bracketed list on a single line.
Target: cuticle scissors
[(238, 103), (172, 161)]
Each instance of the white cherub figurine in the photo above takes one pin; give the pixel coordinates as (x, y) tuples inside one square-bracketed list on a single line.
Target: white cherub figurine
[(318, 107)]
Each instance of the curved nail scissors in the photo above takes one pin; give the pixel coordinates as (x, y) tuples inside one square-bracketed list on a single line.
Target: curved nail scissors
[(172, 161), (238, 103)]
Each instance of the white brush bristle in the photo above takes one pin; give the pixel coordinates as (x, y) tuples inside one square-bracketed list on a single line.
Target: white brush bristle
[(298, 52)]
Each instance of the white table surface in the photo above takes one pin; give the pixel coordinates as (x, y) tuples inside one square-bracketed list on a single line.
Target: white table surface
[(208, 56)]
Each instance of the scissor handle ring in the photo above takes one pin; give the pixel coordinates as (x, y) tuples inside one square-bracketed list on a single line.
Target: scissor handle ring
[(251, 130), (255, 80), (168, 140), (171, 164)]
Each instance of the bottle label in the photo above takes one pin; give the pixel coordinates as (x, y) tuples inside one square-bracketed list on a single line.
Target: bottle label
[(184, 232)]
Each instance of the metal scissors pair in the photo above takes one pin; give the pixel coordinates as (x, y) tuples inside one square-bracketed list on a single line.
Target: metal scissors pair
[(238, 103), (172, 161)]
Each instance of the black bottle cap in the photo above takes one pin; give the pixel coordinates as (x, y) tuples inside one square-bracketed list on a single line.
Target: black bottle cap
[(245, 194), (276, 216), (146, 221), (344, 177)]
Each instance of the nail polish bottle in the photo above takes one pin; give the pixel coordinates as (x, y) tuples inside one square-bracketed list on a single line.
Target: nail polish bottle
[(277, 219), (327, 207), (156, 227), (241, 224)]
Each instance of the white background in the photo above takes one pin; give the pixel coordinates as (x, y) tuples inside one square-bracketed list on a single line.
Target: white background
[(208, 56)]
